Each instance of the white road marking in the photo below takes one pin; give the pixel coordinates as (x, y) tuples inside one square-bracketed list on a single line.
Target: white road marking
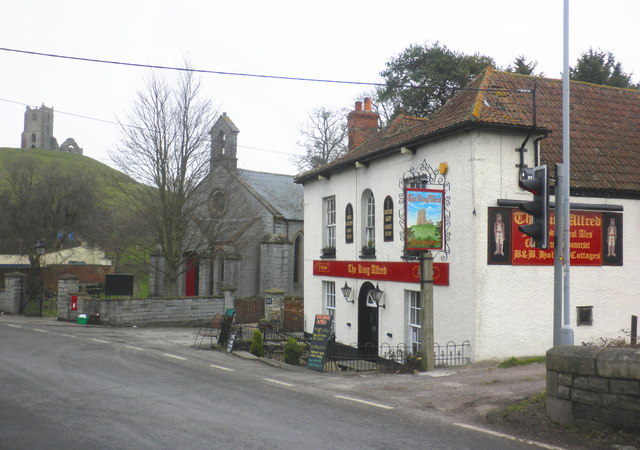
[(135, 348), (100, 341), (377, 405), (221, 368), (12, 325), (278, 382), (169, 355), (40, 331), (68, 335), (507, 436)]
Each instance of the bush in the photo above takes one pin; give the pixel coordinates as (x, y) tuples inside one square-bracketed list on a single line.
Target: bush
[(257, 346), (292, 352), (513, 361)]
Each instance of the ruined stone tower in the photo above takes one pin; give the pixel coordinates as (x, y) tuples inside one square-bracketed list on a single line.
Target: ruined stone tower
[(38, 129), (38, 132)]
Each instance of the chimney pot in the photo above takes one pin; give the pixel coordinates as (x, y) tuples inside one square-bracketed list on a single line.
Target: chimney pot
[(361, 125)]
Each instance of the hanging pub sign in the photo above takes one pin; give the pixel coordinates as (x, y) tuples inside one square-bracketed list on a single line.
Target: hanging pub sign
[(595, 239), (424, 212)]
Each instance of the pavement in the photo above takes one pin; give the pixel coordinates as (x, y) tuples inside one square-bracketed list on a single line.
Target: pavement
[(473, 394)]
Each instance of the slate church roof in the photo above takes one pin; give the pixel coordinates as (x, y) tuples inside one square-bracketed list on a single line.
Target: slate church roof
[(276, 192), (604, 134)]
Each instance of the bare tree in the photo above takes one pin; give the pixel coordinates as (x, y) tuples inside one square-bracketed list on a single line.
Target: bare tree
[(325, 138), (165, 147), (45, 203)]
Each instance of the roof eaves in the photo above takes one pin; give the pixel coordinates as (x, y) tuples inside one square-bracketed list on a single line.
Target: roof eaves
[(414, 143)]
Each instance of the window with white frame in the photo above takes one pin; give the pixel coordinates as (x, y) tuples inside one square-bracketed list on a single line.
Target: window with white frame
[(329, 294), (329, 222), (414, 306), (370, 224)]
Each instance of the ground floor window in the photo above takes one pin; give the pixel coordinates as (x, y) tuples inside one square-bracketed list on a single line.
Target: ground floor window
[(585, 315), (329, 296), (414, 306)]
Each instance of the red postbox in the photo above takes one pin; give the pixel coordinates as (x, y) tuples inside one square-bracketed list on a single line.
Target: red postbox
[(74, 303)]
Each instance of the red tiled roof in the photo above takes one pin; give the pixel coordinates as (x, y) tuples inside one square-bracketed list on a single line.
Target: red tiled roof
[(605, 127)]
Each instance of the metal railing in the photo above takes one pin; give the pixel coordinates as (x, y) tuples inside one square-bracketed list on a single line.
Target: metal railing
[(356, 357)]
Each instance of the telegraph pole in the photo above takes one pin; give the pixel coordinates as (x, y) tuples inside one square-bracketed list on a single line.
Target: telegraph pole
[(567, 331)]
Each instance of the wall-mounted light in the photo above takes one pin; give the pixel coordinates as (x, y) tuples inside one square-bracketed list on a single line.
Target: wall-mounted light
[(376, 294), (346, 291)]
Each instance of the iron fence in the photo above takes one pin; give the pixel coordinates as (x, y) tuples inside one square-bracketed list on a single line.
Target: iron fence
[(356, 357)]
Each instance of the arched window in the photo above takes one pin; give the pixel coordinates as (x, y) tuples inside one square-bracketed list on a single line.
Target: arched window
[(368, 223), (220, 268), (33, 137), (388, 219), (370, 227), (297, 260)]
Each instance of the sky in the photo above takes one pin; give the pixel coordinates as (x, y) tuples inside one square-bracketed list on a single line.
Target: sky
[(334, 40)]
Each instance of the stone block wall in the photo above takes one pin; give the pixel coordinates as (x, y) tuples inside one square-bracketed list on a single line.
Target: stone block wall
[(190, 311), (594, 387), (14, 292)]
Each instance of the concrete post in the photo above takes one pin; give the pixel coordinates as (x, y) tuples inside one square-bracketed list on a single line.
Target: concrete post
[(68, 285), (426, 296), (274, 306), (15, 291)]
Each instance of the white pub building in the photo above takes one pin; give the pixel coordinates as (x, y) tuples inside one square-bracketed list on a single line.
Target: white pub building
[(493, 292)]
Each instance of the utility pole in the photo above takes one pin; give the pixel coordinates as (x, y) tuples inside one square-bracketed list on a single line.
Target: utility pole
[(426, 311), (557, 261), (567, 331)]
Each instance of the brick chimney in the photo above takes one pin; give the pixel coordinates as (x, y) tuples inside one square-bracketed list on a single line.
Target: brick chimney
[(362, 124)]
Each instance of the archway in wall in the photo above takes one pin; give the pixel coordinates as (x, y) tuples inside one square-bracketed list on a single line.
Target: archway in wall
[(367, 322)]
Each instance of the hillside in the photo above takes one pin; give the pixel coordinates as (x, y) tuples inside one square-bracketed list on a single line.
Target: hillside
[(105, 177)]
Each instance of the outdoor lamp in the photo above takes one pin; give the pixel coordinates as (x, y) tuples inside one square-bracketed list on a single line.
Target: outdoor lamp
[(40, 247), (346, 291), (377, 296), (40, 250)]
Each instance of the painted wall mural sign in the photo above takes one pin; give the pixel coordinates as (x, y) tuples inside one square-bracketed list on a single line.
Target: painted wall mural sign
[(424, 213), (596, 239), (408, 272)]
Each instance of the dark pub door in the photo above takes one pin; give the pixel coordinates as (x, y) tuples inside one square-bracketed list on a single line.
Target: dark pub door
[(367, 322)]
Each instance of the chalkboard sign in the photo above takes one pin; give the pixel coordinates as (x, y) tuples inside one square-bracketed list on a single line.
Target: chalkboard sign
[(232, 338), (319, 341)]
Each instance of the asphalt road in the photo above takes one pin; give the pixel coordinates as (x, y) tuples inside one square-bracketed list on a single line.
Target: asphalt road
[(72, 387)]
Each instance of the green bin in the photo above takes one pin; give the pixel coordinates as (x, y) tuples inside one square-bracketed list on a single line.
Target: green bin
[(82, 320)]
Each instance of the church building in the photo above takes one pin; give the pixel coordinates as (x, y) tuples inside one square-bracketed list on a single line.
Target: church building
[(256, 244)]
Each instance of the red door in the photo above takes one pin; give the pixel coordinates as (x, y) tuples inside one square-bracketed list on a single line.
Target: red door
[(191, 278)]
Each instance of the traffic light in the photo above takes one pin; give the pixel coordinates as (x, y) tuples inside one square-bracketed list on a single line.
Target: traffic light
[(538, 185)]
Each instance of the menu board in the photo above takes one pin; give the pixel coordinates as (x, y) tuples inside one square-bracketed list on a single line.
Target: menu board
[(319, 342)]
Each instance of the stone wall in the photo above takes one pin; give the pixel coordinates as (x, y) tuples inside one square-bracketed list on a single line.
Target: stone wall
[(191, 311), (594, 387)]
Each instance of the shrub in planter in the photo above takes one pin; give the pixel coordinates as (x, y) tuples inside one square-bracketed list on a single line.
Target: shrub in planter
[(292, 351), (257, 346)]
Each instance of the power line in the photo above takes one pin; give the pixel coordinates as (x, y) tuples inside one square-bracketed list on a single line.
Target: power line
[(111, 122), (253, 75), (185, 69)]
